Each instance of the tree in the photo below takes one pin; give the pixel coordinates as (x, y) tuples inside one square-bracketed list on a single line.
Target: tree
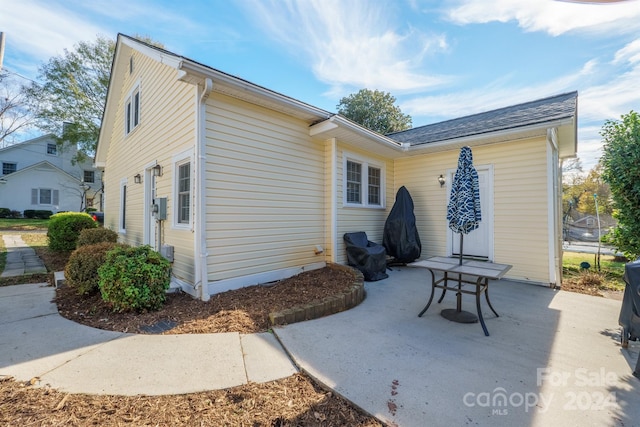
[(621, 170), (374, 110), (15, 114), (73, 92)]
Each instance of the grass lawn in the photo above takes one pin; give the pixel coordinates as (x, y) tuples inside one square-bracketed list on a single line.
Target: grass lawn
[(611, 271), (22, 224)]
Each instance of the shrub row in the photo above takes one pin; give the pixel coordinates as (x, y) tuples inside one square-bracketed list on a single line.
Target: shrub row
[(8, 213), (37, 214)]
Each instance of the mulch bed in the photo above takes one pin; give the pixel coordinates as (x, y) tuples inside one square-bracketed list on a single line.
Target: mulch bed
[(244, 310)]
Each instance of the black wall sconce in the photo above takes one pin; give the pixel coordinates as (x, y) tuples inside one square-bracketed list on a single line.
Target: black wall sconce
[(137, 178), (441, 180), (157, 170)]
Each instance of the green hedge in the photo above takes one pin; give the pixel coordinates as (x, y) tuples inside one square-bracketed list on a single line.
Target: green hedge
[(64, 229), (81, 271), (134, 278), (91, 236), (37, 214)]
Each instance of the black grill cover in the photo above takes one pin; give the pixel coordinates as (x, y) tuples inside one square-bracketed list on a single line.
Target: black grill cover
[(630, 312), (400, 233), (368, 257)]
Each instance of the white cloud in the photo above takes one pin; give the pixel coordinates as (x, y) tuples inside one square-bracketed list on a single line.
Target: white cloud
[(551, 16), (630, 53), (351, 43)]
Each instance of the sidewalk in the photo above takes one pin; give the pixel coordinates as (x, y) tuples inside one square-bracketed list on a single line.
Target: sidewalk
[(21, 259), (38, 343)]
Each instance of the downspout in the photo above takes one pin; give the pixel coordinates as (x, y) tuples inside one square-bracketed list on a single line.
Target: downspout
[(333, 205), (200, 239), (555, 221)]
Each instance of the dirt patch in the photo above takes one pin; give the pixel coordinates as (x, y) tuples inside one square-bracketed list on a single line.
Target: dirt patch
[(244, 310)]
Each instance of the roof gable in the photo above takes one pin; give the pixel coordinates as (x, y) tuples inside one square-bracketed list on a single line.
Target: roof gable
[(546, 111), (40, 165)]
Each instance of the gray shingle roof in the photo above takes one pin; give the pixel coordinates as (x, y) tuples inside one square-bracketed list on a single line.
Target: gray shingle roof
[(530, 113)]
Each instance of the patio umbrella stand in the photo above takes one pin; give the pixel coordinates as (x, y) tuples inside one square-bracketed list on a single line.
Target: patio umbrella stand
[(464, 215)]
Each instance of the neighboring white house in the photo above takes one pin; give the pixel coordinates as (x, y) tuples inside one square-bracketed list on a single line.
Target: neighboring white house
[(37, 175), (240, 185)]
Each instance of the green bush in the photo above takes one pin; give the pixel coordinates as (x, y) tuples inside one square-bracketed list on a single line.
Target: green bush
[(134, 278), (5, 212), (81, 272), (37, 214), (64, 229), (91, 236)]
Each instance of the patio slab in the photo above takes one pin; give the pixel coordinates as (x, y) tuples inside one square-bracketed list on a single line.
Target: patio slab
[(553, 357)]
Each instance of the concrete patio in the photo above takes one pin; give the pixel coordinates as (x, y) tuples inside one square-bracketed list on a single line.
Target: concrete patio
[(553, 357)]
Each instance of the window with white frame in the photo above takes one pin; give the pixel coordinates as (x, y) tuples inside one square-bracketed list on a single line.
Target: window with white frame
[(52, 149), (363, 183), (132, 110), (8, 168), (44, 196), (89, 177), (182, 188)]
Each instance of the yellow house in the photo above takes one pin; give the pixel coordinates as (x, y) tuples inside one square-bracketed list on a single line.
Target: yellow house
[(240, 185)]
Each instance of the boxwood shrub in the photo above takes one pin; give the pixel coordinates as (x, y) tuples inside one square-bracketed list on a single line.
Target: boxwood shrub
[(91, 236), (64, 229), (134, 278), (81, 272)]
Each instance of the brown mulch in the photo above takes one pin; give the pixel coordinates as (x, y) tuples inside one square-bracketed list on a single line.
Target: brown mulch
[(292, 401), (244, 310)]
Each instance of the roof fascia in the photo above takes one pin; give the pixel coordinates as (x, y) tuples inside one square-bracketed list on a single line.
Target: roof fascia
[(203, 71), (503, 135), (337, 121)]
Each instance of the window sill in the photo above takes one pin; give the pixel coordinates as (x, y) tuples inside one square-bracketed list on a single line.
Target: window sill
[(354, 206)]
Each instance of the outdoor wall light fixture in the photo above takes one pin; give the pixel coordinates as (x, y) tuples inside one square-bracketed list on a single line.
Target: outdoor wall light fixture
[(137, 178), (157, 170), (441, 180)]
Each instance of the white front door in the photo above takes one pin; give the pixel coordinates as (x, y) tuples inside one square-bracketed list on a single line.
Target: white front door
[(149, 200), (478, 243)]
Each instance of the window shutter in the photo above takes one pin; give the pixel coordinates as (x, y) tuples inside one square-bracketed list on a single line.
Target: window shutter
[(34, 196), (54, 197)]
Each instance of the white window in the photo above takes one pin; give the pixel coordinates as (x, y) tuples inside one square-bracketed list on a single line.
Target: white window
[(132, 110), (44, 196), (123, 206), (363, 182), (8, 168), (89, 177), (182, 190), (52, 149)]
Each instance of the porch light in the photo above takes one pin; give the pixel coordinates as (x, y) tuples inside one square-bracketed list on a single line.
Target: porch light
[(137, 178), (157, 170), (441, 180)]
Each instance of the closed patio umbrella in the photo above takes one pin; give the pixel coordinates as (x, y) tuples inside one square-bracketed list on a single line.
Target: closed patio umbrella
[(464, 216)]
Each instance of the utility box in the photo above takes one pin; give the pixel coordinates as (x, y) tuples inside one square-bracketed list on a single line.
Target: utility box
[(160, 208), (167, 252)]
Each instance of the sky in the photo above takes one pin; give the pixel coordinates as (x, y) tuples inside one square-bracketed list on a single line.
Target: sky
[(440, 59)]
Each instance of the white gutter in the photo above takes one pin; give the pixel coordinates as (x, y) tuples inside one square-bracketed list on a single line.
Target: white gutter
[(333, 205), (339, 121), (554, 224), (223, 78), (200, 240)]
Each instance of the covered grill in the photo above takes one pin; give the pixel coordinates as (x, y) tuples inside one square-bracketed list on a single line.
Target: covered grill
[(630, 311)]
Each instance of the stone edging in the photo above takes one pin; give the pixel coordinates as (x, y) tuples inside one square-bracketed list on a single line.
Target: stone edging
[(353, 296)]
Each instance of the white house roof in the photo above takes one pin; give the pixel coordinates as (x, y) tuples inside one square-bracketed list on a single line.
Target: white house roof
[(40, 165)]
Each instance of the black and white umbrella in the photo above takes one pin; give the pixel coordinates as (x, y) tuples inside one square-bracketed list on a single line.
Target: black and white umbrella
[(463, 210)]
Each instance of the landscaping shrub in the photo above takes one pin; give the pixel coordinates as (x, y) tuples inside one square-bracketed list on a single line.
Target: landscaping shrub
[(91, 236), (37, 214), (134, 278), (64, 229), (81, 272), (5, 212)]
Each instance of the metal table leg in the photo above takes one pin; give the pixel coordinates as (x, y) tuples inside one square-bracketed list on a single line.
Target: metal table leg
[(433, 289)]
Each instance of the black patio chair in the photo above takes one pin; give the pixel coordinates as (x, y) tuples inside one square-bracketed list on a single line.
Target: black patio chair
[(368, 257)]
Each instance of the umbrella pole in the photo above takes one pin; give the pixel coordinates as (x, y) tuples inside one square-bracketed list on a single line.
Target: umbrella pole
[(459, 294)]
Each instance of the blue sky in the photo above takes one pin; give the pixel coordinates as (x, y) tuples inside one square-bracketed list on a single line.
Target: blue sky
[(441, 59)]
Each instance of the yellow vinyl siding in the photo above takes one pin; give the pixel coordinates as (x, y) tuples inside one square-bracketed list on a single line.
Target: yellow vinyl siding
[(520, 202), (265, 190), (167, 127), (368, 219)]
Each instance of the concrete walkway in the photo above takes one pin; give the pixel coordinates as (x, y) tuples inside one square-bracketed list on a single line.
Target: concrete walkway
[(36, 342), (21, 258), (553, 358)]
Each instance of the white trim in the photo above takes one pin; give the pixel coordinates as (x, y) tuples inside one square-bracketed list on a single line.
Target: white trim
[(129, 98), (552, 211), (177, 161), (333, 206), (365, 162), (123, 207), (149, 184), (259, 278)]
